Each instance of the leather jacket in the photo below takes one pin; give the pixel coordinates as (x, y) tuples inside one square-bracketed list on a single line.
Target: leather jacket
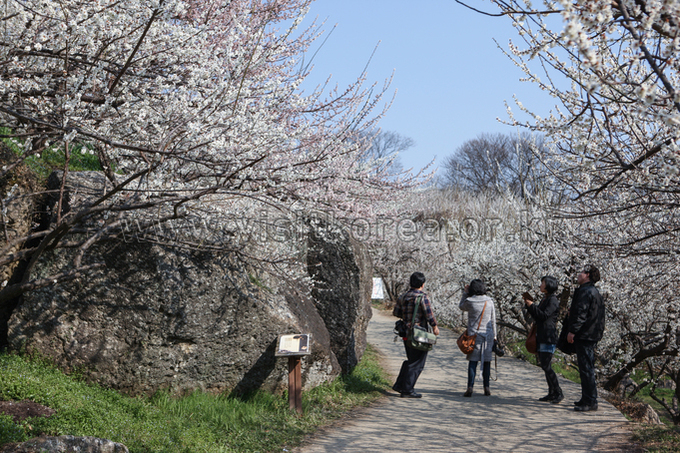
[(586, 314)]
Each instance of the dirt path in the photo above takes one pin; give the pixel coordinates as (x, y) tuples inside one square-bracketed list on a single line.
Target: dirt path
[(510, 420)]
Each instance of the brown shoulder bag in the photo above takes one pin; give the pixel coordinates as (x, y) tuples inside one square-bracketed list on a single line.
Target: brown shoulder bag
[(530, 343), (466, 343)]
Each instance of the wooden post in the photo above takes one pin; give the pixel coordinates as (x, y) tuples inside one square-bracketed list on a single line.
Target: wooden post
[(294, 346), (295, 383)]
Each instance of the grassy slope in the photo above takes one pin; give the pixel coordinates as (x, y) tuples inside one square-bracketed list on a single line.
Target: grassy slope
[(196, 423)]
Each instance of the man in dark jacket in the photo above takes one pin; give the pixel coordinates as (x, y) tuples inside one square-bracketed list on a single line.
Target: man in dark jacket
[(586, 327), (415, 359)]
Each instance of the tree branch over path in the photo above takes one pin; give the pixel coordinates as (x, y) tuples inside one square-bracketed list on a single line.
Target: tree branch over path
[(189, 112), (611, 156)]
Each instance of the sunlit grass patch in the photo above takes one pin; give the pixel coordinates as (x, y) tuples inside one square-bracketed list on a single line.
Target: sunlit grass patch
[(81, 156), (197, 422)]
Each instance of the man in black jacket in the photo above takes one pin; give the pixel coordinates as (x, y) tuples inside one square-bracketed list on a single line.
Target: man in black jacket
[(586, 327)]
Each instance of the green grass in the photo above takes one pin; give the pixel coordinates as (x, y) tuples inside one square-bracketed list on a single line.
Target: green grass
[(658, 439), (563, 368), (639, 376), (81, 159), (666, 394), (52, 158), (560, 363), (10, 432), (199, 422)]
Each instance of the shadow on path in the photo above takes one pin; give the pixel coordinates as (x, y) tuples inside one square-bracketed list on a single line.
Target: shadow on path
[(510, 420)]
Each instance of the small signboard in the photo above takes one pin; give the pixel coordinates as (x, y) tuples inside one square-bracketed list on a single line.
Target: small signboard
[(294, 345), (378, 288)]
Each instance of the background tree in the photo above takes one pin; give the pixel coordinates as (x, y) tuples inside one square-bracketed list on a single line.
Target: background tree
[(384, 148), (496, 163)]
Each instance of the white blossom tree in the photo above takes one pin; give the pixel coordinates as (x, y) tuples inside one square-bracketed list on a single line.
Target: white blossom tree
[(612, 67), (454, 236), (194, 110)]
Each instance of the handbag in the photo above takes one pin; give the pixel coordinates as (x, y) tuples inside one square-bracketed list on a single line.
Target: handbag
[(466, 343), (562, 343), (530, 344), (419, 337)]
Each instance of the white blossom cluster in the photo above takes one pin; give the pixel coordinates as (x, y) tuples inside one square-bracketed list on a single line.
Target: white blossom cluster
[(461, 236), (195, 112), (199, 96), (515, 244), (613, 71)]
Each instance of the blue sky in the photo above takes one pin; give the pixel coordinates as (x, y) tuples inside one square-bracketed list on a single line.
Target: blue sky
[(451, 78)]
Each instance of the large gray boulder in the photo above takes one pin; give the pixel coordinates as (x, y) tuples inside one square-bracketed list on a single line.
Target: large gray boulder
[(159, 317), (343, 282), (163, 317)]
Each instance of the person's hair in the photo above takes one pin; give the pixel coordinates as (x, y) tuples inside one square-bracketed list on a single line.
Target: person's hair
[(593, 273), (417, 280), (551, 284), (477, 288)]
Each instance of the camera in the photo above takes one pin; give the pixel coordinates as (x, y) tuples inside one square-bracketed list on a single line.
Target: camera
[(498, 349)]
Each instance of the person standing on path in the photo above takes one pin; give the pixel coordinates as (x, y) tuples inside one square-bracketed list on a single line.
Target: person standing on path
[(586, 327), (481, 322), (415, 359), (545, 317)]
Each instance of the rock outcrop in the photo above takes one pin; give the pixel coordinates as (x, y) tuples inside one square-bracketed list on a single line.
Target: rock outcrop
[(649, 415), (18, 212), (158, 316), (341, 269)]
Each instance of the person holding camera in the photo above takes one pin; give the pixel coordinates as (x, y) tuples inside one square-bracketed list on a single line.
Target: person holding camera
[(415, 359), (481, 322), (545, 316)]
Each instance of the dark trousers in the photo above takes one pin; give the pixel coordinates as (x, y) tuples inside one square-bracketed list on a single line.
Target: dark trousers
[(545, 360), (585, 355), (410, 370), (472, 373)]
